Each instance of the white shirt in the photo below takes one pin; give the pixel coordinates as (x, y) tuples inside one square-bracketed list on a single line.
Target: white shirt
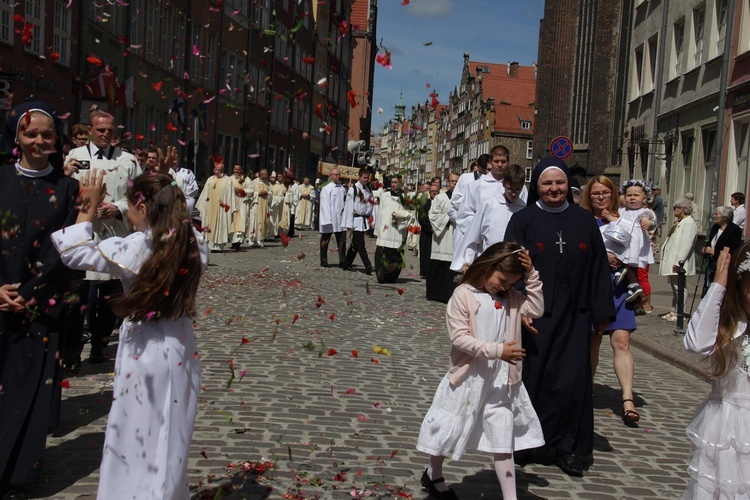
[(739, 216), (361, 206)]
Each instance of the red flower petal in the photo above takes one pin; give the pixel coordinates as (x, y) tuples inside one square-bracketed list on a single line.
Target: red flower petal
[(332, 351)]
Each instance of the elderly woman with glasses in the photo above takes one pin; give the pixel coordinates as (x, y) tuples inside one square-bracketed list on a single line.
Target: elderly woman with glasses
[(724, 233), (600, 196), (678, 248)]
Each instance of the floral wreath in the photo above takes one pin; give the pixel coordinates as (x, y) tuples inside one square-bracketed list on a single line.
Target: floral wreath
[(745, 265), (639, 183)]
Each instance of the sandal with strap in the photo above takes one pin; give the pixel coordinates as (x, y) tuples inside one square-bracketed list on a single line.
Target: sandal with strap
[(429, 485), (629, 417)]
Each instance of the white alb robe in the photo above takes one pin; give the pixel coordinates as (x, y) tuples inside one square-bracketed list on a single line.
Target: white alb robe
[(259, 217), (191, 186), (487, 227), (305, 207), (217, 204), (393, 220), (157, 378), (442, 228), (332, 206)]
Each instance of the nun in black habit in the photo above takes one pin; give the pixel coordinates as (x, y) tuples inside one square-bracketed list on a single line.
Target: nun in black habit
[(568, 251), (36, 199)]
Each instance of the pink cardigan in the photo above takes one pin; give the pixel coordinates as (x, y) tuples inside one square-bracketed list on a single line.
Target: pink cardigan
[(461, 317)]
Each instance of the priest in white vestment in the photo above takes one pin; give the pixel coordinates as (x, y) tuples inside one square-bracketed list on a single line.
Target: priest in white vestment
[(305, 206), (217, 204), (258, 220), (243, 192)]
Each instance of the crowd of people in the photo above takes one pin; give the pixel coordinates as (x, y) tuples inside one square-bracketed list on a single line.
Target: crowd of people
[(533, 283)]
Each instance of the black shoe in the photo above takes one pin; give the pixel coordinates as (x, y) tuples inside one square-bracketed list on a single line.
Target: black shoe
[(324, 264), (429, 485), (95, 360), (569, 464), (368, 271), (346, 267), (639, 311)]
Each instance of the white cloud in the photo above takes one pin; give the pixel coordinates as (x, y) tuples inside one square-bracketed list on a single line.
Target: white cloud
[(429, 8)]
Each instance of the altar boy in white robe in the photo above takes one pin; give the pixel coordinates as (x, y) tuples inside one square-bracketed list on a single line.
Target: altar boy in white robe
[(440, 284), (488, 225)]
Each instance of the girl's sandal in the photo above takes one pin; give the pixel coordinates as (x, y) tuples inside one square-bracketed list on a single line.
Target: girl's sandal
[(629, 417)]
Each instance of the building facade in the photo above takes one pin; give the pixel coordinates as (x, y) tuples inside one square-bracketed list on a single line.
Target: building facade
[(492, 105), (233, 78), (583, 50)]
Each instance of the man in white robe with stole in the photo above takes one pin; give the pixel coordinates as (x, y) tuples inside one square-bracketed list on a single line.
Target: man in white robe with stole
[(258, 221), (305, 207), (243, 192), (217, 205), (393, 220)]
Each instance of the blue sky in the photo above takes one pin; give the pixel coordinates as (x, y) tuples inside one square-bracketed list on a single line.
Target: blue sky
[(495, 31)]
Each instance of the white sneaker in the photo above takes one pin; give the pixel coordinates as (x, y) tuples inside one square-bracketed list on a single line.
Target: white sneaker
[(670, 316)]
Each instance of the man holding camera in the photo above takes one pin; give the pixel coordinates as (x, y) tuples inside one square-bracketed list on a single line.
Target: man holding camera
[(112, 217)]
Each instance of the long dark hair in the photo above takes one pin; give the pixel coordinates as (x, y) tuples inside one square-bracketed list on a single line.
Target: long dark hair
[(168, 281), (725, 356), (502, 256)]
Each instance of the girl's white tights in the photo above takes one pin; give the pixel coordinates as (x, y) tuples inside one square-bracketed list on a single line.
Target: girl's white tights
[(505, 468), (435, 470)]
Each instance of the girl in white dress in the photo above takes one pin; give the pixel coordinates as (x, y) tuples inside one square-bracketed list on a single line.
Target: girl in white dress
[(634, 220), (481, 403), (720, 431), (157, 370)]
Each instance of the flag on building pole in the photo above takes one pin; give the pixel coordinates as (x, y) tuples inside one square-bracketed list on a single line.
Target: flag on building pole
[(200, 113), (125, 97), (178, 107), (103, 86)]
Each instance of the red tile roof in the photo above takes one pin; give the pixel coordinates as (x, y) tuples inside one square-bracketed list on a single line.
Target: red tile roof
[(514, 96)]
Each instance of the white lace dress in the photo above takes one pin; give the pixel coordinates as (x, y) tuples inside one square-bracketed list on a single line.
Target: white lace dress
[(483, 413), (720, 431)]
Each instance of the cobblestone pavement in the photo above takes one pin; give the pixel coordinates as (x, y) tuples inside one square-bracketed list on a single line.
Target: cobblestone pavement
[(332, 374)]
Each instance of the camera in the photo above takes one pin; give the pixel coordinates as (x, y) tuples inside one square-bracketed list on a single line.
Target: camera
[(85, 165)]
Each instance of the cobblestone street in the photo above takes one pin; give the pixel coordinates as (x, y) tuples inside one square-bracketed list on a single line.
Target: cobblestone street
[(328, 375)]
